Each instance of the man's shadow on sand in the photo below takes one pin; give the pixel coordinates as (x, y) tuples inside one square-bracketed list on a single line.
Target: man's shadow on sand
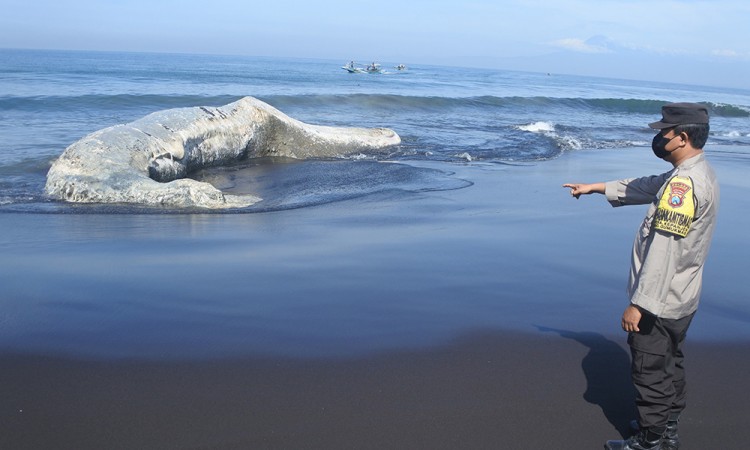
[(608, 384)]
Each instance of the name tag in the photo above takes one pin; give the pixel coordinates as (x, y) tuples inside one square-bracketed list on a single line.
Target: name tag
[(676, 207)]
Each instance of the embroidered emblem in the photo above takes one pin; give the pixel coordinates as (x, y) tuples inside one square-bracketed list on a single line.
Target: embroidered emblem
[(677, 191), (676, 208)]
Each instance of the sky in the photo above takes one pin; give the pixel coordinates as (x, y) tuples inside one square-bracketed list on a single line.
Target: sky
[(704, 42)]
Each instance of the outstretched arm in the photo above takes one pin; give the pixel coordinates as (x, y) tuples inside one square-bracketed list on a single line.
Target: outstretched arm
[(578, 189)]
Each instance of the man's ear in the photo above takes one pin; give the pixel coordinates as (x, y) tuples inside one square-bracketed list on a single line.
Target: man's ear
[(685, 138)]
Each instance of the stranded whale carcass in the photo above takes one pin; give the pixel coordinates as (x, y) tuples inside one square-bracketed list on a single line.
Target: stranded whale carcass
[(147, 161)]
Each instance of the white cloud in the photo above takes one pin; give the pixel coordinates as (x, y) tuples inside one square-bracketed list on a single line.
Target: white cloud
[(579, 45), (726, 53)]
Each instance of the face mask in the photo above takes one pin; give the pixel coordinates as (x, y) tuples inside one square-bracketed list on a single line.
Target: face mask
[(659, 144)]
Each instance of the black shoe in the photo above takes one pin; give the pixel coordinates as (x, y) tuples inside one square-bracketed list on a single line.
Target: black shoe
[(636, 442), (670, 439)]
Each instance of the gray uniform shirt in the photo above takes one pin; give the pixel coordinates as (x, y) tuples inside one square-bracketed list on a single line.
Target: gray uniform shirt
[(666, 271)]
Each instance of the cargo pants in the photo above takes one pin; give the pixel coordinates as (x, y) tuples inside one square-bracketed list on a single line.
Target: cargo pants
[(657, 368)]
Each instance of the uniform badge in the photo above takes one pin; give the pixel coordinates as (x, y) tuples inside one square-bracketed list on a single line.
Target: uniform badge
[(677, 191), (676, 208)]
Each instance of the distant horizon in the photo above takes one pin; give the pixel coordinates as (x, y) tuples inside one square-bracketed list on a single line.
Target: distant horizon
[(379, 61), (688, 42)]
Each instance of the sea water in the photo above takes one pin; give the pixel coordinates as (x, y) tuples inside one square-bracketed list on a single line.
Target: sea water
[(50, 99), (285, 275)]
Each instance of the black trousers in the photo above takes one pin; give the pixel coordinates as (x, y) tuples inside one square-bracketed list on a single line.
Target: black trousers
[(657, 368)]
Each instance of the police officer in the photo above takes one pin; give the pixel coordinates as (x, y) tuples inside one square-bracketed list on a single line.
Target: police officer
[(666, 268)]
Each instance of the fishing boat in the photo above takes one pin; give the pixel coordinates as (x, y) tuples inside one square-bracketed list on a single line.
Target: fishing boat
[(353, 67)]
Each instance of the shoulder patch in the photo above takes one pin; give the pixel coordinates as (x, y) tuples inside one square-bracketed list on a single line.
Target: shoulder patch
[(676, 208)]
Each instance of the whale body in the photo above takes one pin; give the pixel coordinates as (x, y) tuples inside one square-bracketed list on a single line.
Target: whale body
[(147, 161)]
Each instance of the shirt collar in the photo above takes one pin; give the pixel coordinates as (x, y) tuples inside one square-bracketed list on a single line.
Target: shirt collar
[(690, 162)]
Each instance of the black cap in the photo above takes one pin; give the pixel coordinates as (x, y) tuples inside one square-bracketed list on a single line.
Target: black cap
[(675, 114)]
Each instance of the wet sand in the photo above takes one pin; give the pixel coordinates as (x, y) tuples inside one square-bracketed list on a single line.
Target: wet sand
[(483, 317), (488, 390)]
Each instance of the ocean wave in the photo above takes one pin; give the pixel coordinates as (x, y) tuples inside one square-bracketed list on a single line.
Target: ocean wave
[(724, 110), (610, 105), (358, 100), (29, 164), (538, 127), (104, 102), (560, 138), (733, 134)]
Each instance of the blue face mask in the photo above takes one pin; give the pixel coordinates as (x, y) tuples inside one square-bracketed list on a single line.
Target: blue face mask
[(659, 145)]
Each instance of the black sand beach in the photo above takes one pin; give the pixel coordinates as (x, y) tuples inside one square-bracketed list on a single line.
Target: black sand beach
[(567, 390), (484, 317)]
